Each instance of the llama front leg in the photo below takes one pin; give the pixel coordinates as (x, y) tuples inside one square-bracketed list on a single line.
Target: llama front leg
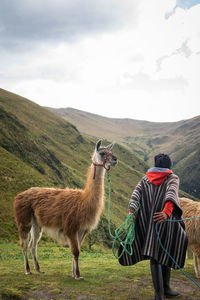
[(75, 264)]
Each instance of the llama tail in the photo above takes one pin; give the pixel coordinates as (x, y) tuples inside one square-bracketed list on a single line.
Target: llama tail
[(23, 215)]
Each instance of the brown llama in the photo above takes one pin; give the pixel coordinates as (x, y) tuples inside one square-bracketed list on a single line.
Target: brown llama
[(192, 209), (67, 215)]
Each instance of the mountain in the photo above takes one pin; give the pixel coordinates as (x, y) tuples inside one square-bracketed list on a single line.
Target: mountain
[(181, 140), (39, 148)]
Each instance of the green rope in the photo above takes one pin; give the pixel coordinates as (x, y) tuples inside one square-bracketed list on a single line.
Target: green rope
[(124, 235), (127, 230)]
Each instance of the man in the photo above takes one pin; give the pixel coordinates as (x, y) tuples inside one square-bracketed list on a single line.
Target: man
[(157, 195)]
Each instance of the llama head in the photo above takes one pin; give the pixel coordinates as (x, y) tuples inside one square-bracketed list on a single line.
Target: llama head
[(103, 155)]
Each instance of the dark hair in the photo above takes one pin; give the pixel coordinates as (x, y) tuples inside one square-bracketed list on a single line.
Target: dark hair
[(163, 161)]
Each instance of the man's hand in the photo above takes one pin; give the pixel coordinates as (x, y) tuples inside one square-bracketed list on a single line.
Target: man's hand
[(160, 217), (130, 212)]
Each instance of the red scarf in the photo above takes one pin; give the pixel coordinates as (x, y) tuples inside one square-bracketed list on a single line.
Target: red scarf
[(157, 177)]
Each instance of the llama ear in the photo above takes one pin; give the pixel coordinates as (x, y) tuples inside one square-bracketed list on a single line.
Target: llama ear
[(109, 147), (98, 144)]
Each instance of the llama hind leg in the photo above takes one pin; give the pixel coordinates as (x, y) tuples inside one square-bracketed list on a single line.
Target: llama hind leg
[(36, 234), (75, 249), (24, 240), (81, 236), (75, 267)]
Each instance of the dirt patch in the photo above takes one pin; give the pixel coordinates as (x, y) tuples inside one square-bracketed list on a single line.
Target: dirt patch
[(187, 289), (42, 294), (140, 290)]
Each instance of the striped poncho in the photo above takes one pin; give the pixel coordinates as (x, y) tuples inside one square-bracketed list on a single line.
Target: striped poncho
[(152, 199)]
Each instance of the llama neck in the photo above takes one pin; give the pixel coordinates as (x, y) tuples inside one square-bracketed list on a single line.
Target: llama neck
[(94, 188)]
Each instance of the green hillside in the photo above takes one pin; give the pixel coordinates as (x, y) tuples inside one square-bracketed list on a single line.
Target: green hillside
[(15, 176), (38, 148), (181, 140)]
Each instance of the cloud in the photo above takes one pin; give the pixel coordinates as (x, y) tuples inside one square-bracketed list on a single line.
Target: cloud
[(92, 54), (159, 62), (25, 23), (138, 57), (184, 49), (184, 4), (168, 14), (144, 82)]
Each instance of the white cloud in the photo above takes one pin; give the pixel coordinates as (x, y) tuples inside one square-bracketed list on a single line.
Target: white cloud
[(125, 67), (155, 86), (183, 4), (184, 49)]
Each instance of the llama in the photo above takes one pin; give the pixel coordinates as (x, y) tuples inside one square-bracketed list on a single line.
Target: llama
[(67, 215), (192, 209)]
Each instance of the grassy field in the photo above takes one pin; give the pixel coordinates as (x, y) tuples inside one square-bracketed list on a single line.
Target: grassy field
[(104, 277)]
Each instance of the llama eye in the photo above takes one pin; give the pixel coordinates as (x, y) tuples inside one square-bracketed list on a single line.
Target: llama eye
[(103, 153)]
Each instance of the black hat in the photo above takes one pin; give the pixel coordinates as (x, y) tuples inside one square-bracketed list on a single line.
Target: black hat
[(162, 161)]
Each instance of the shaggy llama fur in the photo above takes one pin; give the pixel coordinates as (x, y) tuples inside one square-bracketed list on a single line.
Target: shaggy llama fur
[(66, 215), (192, 209)]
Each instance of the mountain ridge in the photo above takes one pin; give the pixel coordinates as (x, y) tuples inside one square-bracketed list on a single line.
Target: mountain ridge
[(181, 140), (38, 148)]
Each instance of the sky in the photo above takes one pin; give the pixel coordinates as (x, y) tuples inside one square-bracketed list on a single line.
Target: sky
[(137, 59)]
